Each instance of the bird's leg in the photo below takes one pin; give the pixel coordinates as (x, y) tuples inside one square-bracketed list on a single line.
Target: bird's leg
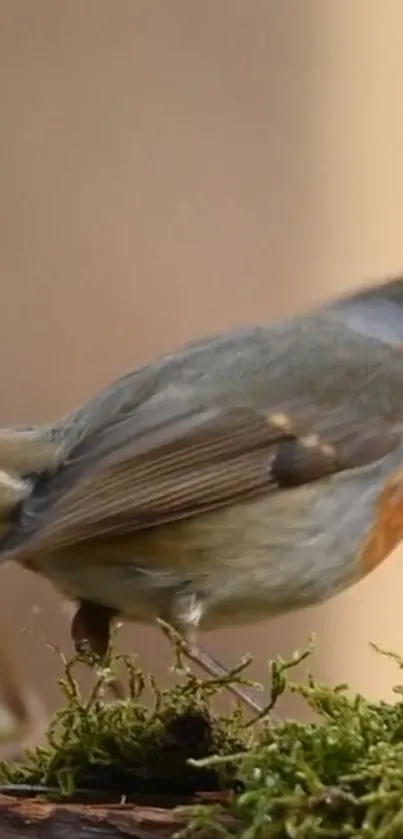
[(184, 616), (209, 664), (90, 632), (90, 628)]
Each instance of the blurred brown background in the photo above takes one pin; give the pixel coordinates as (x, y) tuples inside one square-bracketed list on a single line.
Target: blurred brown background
[(173, 168)]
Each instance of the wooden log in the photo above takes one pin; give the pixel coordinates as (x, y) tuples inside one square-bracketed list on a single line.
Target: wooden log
[(30, 818)]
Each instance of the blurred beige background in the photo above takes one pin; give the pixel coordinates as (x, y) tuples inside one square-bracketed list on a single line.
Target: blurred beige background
[(169, 169)]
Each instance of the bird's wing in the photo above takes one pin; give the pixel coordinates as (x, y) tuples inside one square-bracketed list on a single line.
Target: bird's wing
[(200, 460)]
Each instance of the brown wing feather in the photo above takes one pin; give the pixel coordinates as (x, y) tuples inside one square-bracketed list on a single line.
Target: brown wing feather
[(214, 462), (209, 460)]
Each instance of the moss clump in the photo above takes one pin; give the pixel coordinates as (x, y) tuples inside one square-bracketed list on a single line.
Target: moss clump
[(128, 748), (339, 777)]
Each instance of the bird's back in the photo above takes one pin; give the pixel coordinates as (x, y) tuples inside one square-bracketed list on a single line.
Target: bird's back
[(331, 382)]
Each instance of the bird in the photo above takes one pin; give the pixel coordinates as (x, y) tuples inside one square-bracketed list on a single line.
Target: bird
[(246, 475)]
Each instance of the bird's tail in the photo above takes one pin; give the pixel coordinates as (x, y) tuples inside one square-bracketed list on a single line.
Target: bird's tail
[(24, 453), (28, 450)]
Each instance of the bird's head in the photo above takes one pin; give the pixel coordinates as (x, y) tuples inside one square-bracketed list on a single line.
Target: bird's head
[(375, 310)]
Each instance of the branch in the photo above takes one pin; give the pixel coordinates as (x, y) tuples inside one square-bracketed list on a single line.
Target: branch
[(33, 819)]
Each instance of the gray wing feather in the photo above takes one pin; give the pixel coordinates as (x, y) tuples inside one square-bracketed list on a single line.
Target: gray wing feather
[(199, 429)]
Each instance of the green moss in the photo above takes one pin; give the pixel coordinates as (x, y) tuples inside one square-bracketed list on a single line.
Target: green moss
[(339, 777), (128, 747)]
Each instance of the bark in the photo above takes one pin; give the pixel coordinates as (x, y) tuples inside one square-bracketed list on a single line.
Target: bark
[(30, 818)]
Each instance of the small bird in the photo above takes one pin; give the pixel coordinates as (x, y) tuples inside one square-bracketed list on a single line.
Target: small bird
[(244, 476)]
